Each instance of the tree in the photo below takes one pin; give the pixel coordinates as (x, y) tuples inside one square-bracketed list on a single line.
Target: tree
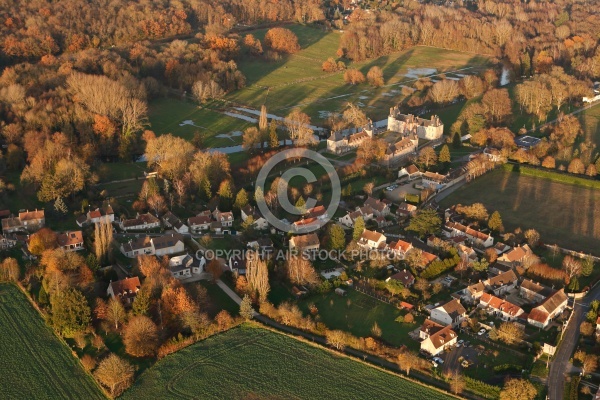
[(262, 121), (444, 91), (587, 266), (495, 222), (298, 126), (576, 166), (141, 337), (282, 40), (103, 240), (115, 374), (215, 269), (88, 362), (359, 227), (425, 222), (408, 360), (508, 332), (498, 105), (141, 303), (572, 267), (257, 275), (427, 157), (518, 389), (171, 155), (532, 236), (444, 156), (375, 76), (246, 310), (42, 240), (480, 265), (376, 330), (587, 328), (368, 188), (353, 76), (70, 311), (549, 162), (336, 339), (9, 270), (273, 137), (204, 91), (301, 272), (457, 382), (589, 364), (354, 116), (241, 199), (115, 312), (337, 237)]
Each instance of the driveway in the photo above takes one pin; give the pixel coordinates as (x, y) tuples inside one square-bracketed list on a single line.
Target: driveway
[(397, 195), (560, 364), (451, 358)]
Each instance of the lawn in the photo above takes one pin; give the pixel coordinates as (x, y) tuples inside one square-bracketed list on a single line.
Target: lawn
[(357, 312), (542, 204), (35, 364), (590, 122), (250, 362), (115, 171), (298, 80), (167, 115)]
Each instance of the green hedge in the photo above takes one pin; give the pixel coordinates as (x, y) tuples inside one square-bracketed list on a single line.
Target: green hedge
[(553, 176), (438, 267), (573, 388), (506, 367), (482, 389)]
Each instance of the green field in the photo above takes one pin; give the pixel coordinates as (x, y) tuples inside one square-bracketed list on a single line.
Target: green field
[(590, 122), (564, 214), (356, 313), (34, 363), (298, 80), (167, 114), (249, 362)]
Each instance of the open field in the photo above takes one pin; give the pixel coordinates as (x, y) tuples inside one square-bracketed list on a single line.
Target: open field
[(34, 363), (590, 122), (298, 80), (249, 362), (167, 115), (565, 214), (357, 312)]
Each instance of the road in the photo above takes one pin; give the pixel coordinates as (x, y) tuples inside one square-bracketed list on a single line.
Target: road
[(558, 368)]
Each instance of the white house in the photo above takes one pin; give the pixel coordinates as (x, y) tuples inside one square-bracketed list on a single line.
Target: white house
[(6, 242), (502, 283), (451, 313), (172, 221), (411, 171), (140, 222), (381, 208), (433, 180), (552, 307), (159, 246), (182, 267), (259, 221), (516, 257), (70, 241), (372, 240), (456, 229), (430, 129), (305, 243), (439, 341), (498, 307), (199, 223), (225, 218)]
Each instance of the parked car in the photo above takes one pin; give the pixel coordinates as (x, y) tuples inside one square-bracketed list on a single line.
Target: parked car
[(467, 344), (481, 331), (459, 343), (438, 360)]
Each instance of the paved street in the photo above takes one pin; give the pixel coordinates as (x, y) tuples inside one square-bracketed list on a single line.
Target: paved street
[(560, 364)]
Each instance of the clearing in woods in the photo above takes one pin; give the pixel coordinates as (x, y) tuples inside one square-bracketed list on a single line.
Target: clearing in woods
[(542, 204), (250, 362), (34, 363)]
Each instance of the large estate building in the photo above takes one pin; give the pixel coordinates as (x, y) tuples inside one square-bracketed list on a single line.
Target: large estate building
[(338, 143), (430, 129)]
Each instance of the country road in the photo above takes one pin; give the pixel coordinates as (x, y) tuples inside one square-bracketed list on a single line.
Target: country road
[(558, 368)]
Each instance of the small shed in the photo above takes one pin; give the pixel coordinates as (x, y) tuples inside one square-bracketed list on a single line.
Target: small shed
[(340, 292)]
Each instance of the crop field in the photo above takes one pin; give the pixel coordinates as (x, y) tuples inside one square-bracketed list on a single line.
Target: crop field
[(564, 214), (298, 80), (249, 362), (34, 363)]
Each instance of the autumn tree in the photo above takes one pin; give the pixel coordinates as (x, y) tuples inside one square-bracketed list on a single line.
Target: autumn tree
[(281, 40), (336, 339), (301, 272), (408, 360), (444, 91), (103, 240), (532, 236), (457, 382), (354, 116), (42, 240), (372, 150), (257, 275), (375, 76), (495, 222), (246, 310), (427, 157), (520, 389), (206, 90), (141, 337), (359, 227), (498, 105), (508, 332), (70, 311), (298, 126), (353, 76), (425, 222), (115, 374), (576, 166), (572, 267), (444, 156), (337, 237), (171, 155), (241, 199), (9, 270), (549, 162)]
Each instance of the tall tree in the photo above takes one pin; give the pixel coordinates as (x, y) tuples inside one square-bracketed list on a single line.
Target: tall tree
[(495, 222), (70, 312), (103, 240), (301, 272), (115, 312), (444, 156), (241, 199), (427, 157), (337, 237), (257, 275), (298, 126), (246, 310), (359, 227), (115, 374), (141, 337), (425, 222), (262, 121), (518, 389), (9, 270), (375, 76)]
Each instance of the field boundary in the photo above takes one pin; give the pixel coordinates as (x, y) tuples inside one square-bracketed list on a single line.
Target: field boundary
[(555, 176)]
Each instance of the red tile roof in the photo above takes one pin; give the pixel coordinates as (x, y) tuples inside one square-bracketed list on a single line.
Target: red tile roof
[(70, 238)]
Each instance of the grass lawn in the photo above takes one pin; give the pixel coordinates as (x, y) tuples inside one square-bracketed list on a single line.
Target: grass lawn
[(116, 171), (167, 114), (590, 122), (35, 364), (297, 80), (357, 312), (544, 205), (250, 362), (218, 300)]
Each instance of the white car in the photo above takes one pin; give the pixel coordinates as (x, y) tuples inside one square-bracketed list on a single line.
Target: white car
[(481, 331), (438, 360)]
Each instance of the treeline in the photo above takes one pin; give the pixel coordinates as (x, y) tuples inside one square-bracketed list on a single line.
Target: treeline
[(531, 36)]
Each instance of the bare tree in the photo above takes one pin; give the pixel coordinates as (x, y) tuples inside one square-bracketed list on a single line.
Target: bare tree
[(301, 271), (115, 374), (115, 312), (298, 126), (257, 275), (103, 240)]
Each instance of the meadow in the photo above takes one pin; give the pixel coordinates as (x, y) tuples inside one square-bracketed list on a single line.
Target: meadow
[(565, 214), (590, 123), (35, 364), (250, 362)]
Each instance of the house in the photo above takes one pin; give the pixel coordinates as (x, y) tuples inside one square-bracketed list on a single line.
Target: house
[(70, 241), (159, 246), (318, 212), (259, 221), (553, 306), (401, 150), (225, 218), (140, 222), (428, 258), (534, 292), (199, 223), (124, 290), (430, 129), (262, 245), (498, 307), (501, 248), (457, 229), (439, 341), (372, 240), (429, 328), (406, 210), (433, 180), (365, 212), (182, 267), (496, 268), (172, 221), (500, 284), (494, 155), (516, 257), (305, 243), (7, 242), (237, 264), (451, 313), (306, 225), (93, 216), (30, 221), (472, 293), (466, 252), (405, 277), (338, 143), (381, 208), (400, 248), (411, 171), (382, 222)]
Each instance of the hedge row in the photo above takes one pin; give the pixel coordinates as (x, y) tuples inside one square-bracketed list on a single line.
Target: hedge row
[(482, 389), (554, 176), (438, 267)]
